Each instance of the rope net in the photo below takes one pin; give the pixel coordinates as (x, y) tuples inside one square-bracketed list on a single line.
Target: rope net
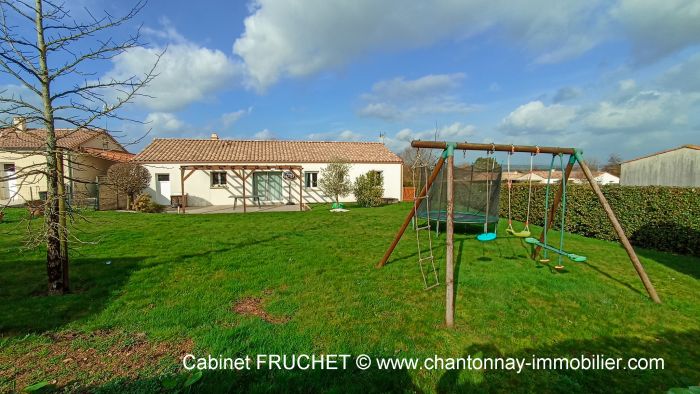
[(476, 187)]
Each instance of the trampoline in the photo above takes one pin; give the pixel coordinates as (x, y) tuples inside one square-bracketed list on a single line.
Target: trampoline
[(459, 217), (476, 187)]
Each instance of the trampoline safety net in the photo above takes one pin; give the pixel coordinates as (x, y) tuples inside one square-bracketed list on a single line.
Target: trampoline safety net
[(474, 185)]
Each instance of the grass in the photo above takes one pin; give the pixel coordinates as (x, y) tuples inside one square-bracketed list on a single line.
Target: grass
[(173, 281)]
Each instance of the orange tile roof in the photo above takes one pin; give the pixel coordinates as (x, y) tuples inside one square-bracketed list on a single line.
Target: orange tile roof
[(111, 155), (277, 151), (36, 138)]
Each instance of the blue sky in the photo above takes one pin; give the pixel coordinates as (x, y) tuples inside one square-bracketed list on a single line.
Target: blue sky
[(606, 76)]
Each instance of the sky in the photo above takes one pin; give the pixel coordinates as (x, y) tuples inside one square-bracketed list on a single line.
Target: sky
[(609, 77)]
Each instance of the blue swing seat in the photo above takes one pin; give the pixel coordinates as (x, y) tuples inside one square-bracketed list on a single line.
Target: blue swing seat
[(484, 237)]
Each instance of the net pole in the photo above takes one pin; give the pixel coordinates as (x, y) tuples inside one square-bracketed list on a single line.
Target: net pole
[(449, 255), (411, 213)]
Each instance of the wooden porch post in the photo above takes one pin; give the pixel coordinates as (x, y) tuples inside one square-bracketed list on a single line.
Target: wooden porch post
[(416, 204), (555, 205), (301, 189), (449, 254), (183, 201), (620, 232), (245, 178)]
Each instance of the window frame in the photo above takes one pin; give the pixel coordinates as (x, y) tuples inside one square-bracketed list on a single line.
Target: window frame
[(307, 178), (219, 176)]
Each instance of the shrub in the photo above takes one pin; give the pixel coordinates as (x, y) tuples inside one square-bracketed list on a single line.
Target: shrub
[(335, 180), (144, 203), (662, 218), (129, 178), (369, 189)]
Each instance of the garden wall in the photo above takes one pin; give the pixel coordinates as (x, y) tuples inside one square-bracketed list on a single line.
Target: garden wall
[(662, 218), (107, 196)]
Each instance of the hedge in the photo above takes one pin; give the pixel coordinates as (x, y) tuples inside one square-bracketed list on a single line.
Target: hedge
[(662, 218)]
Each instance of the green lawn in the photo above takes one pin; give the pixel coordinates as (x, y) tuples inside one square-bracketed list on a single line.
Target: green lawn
[(173, 282)]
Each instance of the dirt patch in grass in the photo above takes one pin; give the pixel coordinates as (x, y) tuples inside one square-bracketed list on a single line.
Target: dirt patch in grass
[(74, 361), (253, 306)]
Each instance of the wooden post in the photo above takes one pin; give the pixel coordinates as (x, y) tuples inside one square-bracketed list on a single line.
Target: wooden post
[(182, 189), (620, 232), (245, 178), (301, 190), (555, 206), (449, 254), (416, 204)]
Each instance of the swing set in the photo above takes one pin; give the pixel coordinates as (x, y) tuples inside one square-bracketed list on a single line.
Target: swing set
[(539, 244)]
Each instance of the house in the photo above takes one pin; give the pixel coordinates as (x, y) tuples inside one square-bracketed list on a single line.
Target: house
[(219, 172), (674, 167), (87, 153), (606, 178)]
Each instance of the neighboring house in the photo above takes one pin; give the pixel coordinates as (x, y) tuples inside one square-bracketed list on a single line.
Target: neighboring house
[(674, 167), (265, 166), (606, 178), (87, 153)]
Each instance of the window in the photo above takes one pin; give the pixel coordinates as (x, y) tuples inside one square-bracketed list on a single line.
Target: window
[(163, 178), (218, 179), (9, 167), (311, 179)]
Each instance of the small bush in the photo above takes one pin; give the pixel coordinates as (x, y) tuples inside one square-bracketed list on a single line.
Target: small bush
[(369, 189), (144, 203)]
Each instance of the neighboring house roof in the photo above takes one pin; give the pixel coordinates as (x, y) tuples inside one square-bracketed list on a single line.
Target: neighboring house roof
[(35, 139), (690, 146), (163, 150), (111, 155)]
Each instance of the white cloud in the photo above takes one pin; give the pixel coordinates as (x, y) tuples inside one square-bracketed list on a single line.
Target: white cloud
[(456, 131), (684, 76), (647, 110), (537, 117), (658, 28), (304, 37), (163, 121), (187, 72), (344, 135), (565, 94), (264, 135), (399, 98), (230, 118)]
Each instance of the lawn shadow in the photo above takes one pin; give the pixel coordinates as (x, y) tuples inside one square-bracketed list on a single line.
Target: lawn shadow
[(25, 306), (679, 351), (350, 380), (687, 265)]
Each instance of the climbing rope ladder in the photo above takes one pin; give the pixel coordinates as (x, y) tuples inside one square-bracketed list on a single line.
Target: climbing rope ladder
[(419, 170)]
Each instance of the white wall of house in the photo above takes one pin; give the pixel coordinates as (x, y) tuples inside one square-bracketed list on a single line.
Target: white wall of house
[(606, 179), (678, 167), (200, 191)]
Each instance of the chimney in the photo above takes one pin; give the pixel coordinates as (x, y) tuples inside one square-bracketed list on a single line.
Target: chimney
[(19, 123), (214, 136)]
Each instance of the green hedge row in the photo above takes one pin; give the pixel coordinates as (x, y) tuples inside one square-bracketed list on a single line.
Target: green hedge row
[(662, 218)]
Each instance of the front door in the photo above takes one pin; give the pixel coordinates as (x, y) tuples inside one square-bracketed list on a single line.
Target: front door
[(11, 193), (163, 188), (268, 185)]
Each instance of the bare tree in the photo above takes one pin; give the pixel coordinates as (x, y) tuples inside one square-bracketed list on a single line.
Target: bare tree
[(413, 159), (129, 178), (613, 165), (49, 54)]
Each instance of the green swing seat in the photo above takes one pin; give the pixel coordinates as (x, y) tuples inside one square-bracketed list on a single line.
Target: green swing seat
[(519, 234), (572, 256)]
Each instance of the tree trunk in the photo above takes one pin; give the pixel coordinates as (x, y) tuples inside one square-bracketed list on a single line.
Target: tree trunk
[(63, 229), (54, 267)]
